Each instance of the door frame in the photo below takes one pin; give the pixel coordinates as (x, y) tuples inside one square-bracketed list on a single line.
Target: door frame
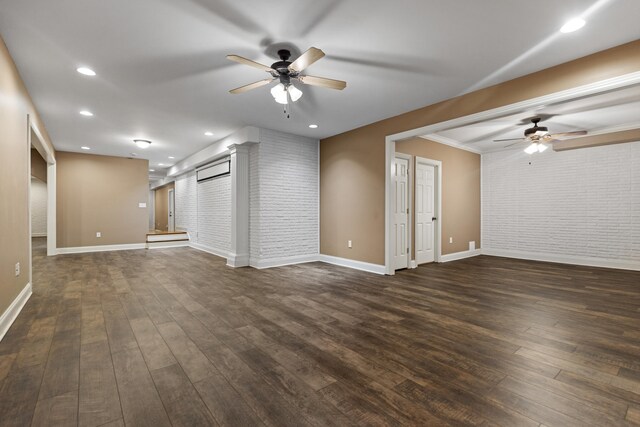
[(437, 199), (47, 154), (171, 214), (560, 96), (409, 159)]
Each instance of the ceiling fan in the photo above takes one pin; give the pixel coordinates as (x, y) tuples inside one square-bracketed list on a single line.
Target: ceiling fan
[(539, 136), (285, 71)]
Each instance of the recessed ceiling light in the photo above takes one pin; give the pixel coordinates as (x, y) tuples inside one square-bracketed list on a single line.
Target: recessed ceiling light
[(133, 154), (142, 143), (313, 126), (171, 157), (86, 71), (85, 148), (208, 133), (152, 170), (86, 113), (573, 25), (160, 164)]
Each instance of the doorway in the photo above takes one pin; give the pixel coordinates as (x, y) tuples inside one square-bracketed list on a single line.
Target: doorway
[(427, 188)]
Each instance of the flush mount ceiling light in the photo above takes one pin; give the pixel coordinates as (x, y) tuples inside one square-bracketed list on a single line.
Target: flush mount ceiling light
[(85, 148), (313, 126), (86, 71), (142, 143), (86, 113), (208, 133), (573, 25)]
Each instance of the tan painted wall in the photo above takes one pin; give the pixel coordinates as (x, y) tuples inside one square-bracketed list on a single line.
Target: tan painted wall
[(38, 166), (460, 192), (162, 207), (101, 193), (352, 164), (15, 104)]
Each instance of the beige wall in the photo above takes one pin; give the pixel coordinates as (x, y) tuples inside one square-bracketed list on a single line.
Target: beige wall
[(38, 166), (101, 193), (352, 164), (460, 192), (15, 104), (162, 207)]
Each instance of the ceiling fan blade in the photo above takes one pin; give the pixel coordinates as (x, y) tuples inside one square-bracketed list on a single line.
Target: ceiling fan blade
[(515, 143), (250, 86), (245, 61), (306, 59), (508, 139), (563, 134), (322, 81)]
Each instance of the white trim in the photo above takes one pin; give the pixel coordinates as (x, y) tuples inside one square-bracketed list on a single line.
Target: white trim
[(553, 98), (167, 245), (11, 313), (208, 249), (450, 142), (279, 262), (38, 234), (237, 260), (565, 259), (350, 263), (438, 200), (101, 248), (460, 255), (167, 237)]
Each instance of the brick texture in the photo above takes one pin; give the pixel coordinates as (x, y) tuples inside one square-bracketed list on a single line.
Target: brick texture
[(580, 203)]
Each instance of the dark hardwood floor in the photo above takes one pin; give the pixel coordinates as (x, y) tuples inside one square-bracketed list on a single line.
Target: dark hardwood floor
[(173, 337)]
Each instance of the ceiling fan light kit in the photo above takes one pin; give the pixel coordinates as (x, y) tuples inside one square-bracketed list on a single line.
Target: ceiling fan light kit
[(284, 71), (539, 137)]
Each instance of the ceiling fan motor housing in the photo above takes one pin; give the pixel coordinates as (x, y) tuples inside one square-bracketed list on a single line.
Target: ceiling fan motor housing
[(536, 131), (282, 67)]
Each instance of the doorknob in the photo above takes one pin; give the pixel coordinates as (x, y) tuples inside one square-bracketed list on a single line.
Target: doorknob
[(433, 218)]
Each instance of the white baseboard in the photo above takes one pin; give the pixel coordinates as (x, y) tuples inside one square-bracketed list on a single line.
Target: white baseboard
[(166, 245), (213, 251), (101, 248), (167, 237), (565, 259), (357, 265), (460, 255), (11, 313), (279, 262), (38, 234)]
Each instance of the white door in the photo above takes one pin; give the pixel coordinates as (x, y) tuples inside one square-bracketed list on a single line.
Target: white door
[(172, 217), (425, 213), (401, 185)]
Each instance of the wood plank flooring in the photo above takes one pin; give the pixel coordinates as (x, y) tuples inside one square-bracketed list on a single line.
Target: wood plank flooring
[(174, 337)]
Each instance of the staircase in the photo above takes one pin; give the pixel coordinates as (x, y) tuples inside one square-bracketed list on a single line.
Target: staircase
[(167, 239)]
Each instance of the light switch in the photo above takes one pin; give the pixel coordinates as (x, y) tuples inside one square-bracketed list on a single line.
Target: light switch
[(98, 234), (142, 205)]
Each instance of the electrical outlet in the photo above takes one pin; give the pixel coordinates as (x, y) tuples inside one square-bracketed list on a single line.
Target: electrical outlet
[(17, 269), (98, 234), (349, 244), (450, 239)]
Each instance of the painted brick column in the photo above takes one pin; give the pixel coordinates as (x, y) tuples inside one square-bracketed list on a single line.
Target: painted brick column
[(239, 253)]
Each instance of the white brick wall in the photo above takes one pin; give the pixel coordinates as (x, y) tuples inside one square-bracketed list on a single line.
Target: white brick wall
[(284, 211), (581, 203), (283, 201), (214, 214), (38, 208), (187, 204)]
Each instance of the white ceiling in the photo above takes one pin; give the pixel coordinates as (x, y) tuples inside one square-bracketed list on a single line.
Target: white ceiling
[(162, 72), (615, 110)]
